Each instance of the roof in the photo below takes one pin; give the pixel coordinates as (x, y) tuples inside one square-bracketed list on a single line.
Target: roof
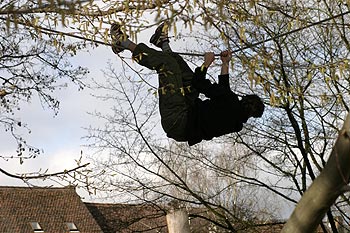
[(22, 208), (147, 218), (125, 218), (52, 208)]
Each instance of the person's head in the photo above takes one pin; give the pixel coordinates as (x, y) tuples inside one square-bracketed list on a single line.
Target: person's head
[(253, 105)]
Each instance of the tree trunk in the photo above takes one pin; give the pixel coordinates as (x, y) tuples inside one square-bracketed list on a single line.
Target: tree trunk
[(177, 220), (325, 189)]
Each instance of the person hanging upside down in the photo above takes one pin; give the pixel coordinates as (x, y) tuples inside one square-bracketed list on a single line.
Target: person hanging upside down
[(184, 116)]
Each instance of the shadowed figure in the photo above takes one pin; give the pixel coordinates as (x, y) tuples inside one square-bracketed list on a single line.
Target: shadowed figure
[(184, 116)]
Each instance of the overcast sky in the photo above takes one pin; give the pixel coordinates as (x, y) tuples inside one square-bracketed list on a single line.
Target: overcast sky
[(60, 137)]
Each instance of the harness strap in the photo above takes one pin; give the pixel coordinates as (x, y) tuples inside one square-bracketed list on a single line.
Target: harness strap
[(170, 88)]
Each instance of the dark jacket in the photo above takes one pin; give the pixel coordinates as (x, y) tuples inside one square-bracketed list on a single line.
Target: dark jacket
[(220, 114)]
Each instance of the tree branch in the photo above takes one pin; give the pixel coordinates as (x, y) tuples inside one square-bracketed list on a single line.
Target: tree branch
[(41, 176)]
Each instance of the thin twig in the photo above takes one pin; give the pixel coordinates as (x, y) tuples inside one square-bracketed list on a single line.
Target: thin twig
[(24, 177)]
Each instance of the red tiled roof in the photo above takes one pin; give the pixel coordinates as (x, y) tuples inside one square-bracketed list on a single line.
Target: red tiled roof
[(125, 218), (50, 207)]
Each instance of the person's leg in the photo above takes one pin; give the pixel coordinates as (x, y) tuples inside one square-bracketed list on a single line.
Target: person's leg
[(160, 39), (172, 103), (163, 63)]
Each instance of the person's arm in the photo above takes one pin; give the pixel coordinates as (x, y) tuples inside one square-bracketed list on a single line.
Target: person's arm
[(208, 59), (225, 57), (199, 81), (202, 84)]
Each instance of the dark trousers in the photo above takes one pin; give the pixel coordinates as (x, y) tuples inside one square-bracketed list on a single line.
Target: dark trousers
[(175, 94)]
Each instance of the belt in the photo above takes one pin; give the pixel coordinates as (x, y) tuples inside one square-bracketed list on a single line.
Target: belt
[(170, 88)]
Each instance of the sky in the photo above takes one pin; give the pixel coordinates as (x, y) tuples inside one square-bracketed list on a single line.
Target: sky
[(60, 136)]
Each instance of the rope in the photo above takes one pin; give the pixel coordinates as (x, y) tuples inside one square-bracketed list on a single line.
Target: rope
[(187, 53), (272, 38)]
